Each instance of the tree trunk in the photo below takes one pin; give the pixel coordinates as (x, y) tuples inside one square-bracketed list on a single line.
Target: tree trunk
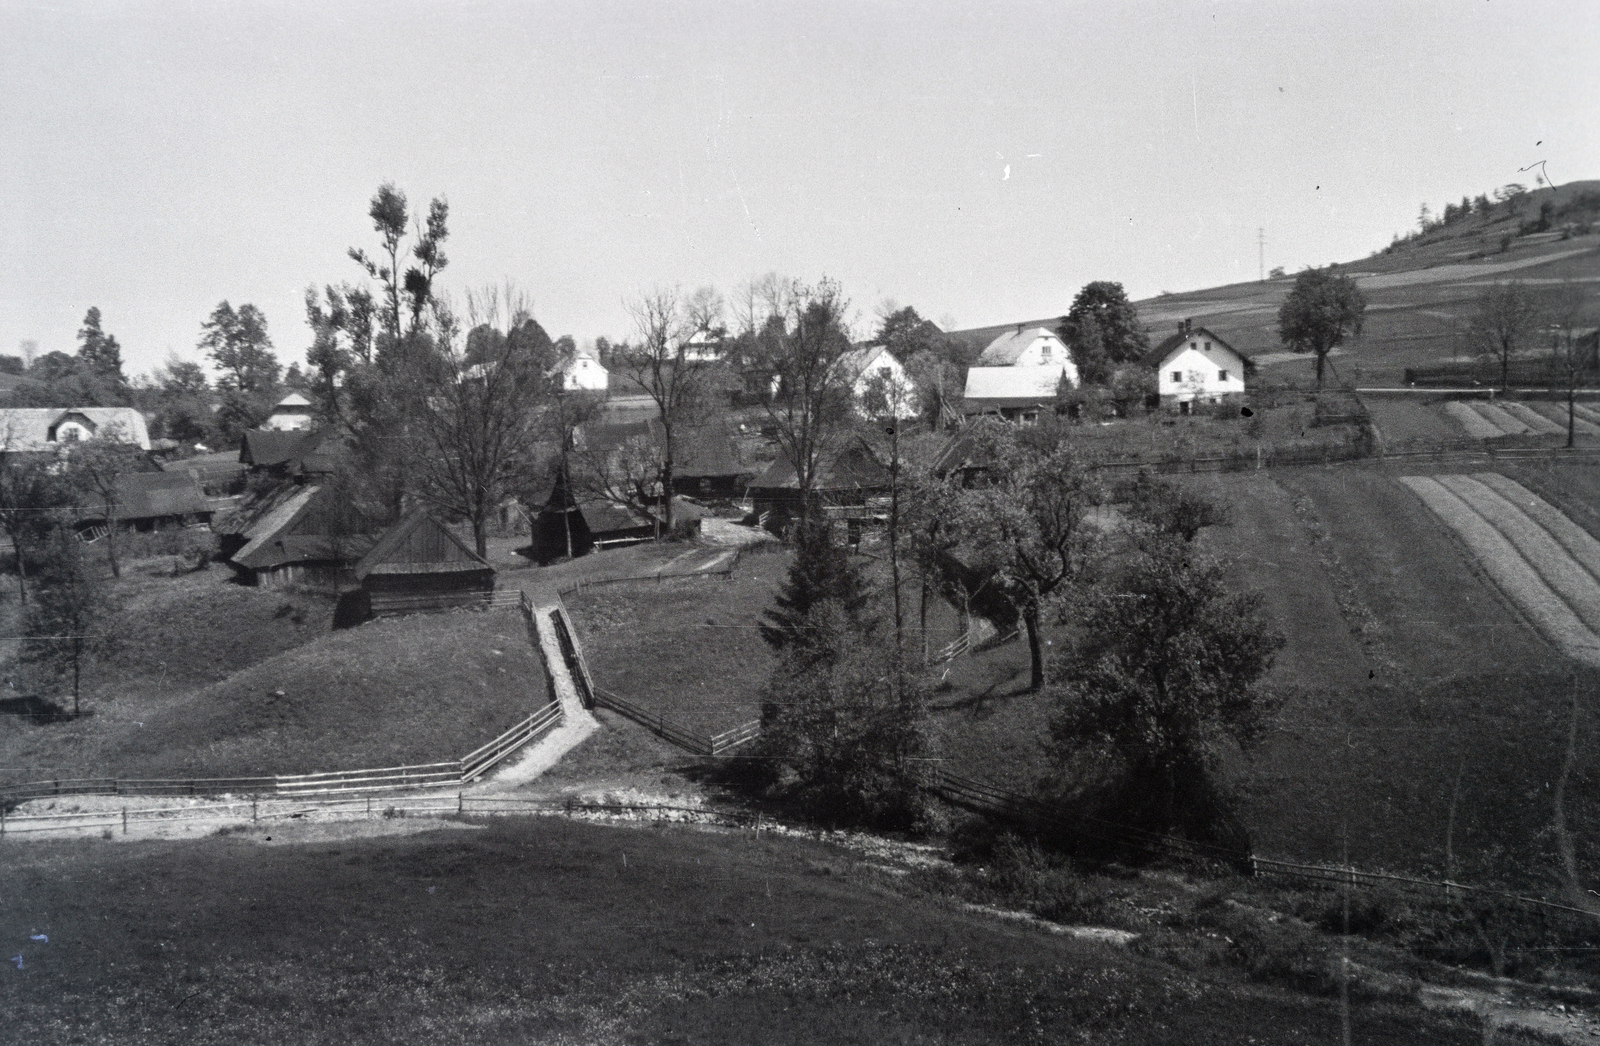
[(480, 534), (1572, 396), (666, 493), (1322, 358), (1030, 618), (22, 571), (111, 542), (923, 619)]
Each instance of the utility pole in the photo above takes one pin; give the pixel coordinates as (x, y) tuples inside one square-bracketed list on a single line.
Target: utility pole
[(1261, 255)]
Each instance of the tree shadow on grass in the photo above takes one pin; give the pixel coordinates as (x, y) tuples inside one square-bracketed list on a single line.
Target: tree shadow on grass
[(1000, 690)]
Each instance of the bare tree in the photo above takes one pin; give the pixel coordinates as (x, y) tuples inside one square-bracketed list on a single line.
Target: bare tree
[(482, 404), (810, 400), (29, 492), (665, 366), (1571, 358), (1505, 315)]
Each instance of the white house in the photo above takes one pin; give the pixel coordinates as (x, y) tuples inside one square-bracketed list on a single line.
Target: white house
[(1196, 366), (1018, 375), (290, 414), (869, 369), (583, 373), (47, 428), (1030, 347)]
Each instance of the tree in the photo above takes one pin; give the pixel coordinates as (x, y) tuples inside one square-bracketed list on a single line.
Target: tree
[(95, 468), (1171, 510), (1123, 337), (31, 493), (1572, 358), (822, 572), (237, 342), (939, 383), (905, 333), (852, 728), (100, 352), (1166, 675), (481, 405), (1029, 528), (810, 401), (182, 400), (660, 365), (390, 216), (1322, 308), (61, 625), (931, 537), (1089, 353), (1503, 317)]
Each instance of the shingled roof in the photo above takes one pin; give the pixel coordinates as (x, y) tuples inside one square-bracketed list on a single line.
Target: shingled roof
[(419, 544), (153, 495)]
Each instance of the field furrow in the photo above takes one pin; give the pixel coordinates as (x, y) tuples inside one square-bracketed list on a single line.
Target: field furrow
[(1586, 412), (1510, 571), (1557, 412), (1533, 419), (1500, 419), (1555, 566), (1476, 425), (1579, 543)]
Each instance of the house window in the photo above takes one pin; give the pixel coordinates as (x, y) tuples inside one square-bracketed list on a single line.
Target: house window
[(1208, 346), (1177, 375), (1222, 375), (1044, 352)]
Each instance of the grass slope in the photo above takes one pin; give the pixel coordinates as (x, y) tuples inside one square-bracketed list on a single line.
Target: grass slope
[(542, 931), (397, 691)]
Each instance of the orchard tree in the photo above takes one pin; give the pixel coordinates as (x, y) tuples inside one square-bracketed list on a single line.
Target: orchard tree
[(60, 630), (237, 342), (1166, 676), (31, 494), (1572, 359), (1029, 528), (95, 468), (1322, 309), (1503, 319), (1123, 338)]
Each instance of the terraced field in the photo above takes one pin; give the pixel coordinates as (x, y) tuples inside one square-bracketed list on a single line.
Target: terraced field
[(1546, 564), (1510, 418)]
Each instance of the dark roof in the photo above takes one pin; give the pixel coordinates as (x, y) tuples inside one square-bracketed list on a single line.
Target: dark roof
[(854, 468), (419, 544), (309, 451), (152, 495), (608, 517), (1164, 348), (295, 522), (207, 467), (969, 448)]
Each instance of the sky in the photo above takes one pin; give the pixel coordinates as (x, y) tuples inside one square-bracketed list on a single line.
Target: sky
[(980, 161)]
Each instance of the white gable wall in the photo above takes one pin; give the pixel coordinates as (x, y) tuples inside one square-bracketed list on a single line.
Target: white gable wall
[(902, 393), (1193, 371)]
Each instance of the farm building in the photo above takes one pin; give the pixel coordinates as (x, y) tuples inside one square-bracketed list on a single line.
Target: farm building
[(574, 524), (879, 385), (288, 453), (1019, 394), (843, 485), (40, 429), (1029, 347), (148, 501), (295, 533), (1197, 366), (583, 373), (290, 414), (419, 564)]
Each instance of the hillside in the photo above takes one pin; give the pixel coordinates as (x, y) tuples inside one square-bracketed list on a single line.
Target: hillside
[(1419, 291)]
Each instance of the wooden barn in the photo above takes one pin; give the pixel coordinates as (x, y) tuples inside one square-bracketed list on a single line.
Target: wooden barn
[(149, 501), (843, 486), (301, 534), (572, 524), (419, 564)]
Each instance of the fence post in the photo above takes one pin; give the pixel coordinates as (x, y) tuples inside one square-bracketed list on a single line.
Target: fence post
[(253, 801), (124, 820), (461, 802), (2, 818)]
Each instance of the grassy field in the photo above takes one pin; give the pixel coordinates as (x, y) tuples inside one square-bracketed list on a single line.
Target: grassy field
[(397, 691), (688, 649), (543, 931)]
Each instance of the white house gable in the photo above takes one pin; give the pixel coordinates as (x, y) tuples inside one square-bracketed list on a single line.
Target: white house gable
[(1197, 366)]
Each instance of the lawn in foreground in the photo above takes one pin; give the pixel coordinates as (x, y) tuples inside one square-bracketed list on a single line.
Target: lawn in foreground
[(544, 931), (418, 689)]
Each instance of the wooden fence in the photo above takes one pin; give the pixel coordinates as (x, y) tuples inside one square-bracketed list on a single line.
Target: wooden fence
[(457, 771)]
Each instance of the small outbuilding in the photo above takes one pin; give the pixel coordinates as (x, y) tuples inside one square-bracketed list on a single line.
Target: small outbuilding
[(148, 501), (574, 524), (420, 564)]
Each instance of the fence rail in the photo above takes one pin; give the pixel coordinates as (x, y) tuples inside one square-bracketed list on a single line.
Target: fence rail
[(477, 763)]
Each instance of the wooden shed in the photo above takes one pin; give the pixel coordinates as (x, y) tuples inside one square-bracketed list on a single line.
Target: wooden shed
[(575, 524), (419, 564)]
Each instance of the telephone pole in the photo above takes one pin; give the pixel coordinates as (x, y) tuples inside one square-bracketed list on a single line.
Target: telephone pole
[(1261, 255)]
